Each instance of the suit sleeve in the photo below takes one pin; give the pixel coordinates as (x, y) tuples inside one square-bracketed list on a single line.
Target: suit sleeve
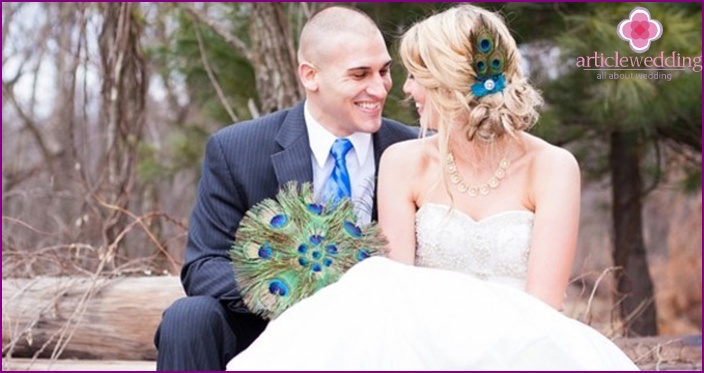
[(216, 215)]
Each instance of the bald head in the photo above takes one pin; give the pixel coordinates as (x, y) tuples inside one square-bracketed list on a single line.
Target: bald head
[(325, 29)]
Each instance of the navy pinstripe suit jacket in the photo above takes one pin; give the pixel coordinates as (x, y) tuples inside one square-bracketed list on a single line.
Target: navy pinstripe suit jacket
[(244, 164)]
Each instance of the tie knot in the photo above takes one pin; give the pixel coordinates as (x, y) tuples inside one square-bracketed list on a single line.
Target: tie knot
[(340, 148)]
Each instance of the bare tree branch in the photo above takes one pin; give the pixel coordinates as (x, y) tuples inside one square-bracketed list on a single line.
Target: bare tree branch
[(14, 177), (81, 45), (8, 13), (179, 111), (30, 125), (233, 40), (587, 312), (139, 220), (213, 79)]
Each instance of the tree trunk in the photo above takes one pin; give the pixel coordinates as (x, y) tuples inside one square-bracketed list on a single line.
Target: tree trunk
[(124, 90), (273, 57), (79, 318), (634, 282)]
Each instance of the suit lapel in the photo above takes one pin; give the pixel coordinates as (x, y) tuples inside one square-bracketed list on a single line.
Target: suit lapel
[(293, 162), (382, 139)]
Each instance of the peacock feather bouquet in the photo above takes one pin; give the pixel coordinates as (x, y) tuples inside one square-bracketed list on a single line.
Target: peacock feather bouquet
[(287, 249)]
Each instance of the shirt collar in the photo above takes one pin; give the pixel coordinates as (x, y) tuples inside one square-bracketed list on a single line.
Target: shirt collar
[(321, 140)]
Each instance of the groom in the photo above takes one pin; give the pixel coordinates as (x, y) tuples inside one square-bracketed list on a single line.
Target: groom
[(344, 67)]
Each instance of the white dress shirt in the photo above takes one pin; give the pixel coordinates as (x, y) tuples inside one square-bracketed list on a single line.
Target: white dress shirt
[(360, 164)]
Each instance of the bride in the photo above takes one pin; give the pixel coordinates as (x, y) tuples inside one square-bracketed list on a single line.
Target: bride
[(482, 223)]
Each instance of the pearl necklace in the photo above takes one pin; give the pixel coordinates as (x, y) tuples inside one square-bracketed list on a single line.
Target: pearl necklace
[(481, 189)]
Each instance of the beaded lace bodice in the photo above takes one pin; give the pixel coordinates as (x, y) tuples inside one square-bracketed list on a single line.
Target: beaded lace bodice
[(493, 249)]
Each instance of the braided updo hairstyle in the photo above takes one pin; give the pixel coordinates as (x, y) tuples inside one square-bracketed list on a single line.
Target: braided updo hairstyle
[(439, 54)]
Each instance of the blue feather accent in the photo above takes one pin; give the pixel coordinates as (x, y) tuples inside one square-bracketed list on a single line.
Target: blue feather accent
[(488, 85)]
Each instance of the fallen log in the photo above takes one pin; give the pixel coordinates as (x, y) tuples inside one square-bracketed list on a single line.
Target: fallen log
[(115, 319), (84, 318), (664, 352), (72, 365)]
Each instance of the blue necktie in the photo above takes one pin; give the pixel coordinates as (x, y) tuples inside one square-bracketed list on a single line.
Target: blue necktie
[(338, 185)]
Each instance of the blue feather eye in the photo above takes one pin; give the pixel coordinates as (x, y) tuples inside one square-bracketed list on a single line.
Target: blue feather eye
[(496, 64), (481, 67), (303, 248), (485, 45), (265, 252), (327, 262), (316, 267), (331, 249), (362, 254), (315, 208), (315, 239), (278, 287), (352, 229), (303, 262), (316, 255), (279, 221)]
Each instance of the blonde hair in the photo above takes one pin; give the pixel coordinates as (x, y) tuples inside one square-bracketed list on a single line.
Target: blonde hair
[(438, 53)]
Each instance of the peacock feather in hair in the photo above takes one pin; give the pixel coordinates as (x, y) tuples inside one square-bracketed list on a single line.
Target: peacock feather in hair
[(489, 60), (287, 249)]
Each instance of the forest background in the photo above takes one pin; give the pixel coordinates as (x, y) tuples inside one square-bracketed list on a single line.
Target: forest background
[(106, 108)]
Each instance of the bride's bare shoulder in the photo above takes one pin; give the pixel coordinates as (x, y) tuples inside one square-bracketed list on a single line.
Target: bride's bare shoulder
[(412, 155), (546, 158)]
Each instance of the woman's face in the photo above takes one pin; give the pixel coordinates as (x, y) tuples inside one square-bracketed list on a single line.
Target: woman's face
[(417, 92)]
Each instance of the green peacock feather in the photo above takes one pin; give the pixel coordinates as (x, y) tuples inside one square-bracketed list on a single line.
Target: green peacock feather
[(287, 249), (489, 62), (489, 59)]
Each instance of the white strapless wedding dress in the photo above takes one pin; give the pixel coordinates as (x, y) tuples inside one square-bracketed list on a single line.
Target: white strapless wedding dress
[(461, 308)]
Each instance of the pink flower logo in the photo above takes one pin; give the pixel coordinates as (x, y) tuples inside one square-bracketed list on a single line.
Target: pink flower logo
[(639, 30)]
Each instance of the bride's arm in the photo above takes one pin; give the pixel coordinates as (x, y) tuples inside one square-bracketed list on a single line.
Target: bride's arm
[(396, 202), (555, 193)]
